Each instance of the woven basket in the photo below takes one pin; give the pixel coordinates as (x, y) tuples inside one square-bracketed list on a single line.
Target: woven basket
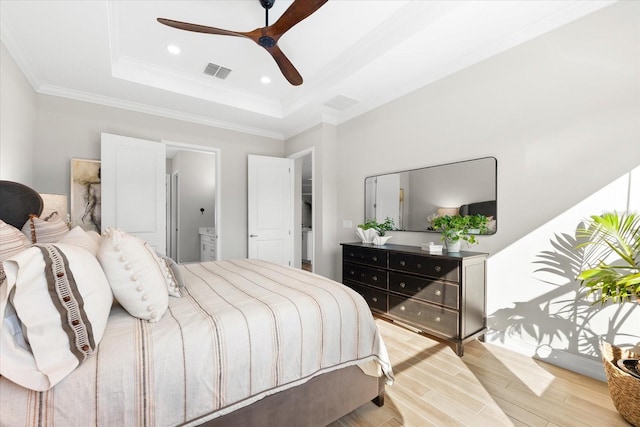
[(623, 387)]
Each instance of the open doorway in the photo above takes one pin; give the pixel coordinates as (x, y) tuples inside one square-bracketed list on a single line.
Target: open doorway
[(193, 219), (304, 213)]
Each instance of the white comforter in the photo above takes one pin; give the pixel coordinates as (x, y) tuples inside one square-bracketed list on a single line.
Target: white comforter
[(243, 329)]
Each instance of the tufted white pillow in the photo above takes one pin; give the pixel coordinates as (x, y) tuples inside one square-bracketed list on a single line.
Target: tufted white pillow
[(134, 273), (47, 230), (12, 241), (54, 310)]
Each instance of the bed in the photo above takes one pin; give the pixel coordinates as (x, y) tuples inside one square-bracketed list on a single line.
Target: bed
[(247, 342)]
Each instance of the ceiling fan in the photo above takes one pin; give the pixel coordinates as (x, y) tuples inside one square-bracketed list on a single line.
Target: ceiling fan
[(266, 36)]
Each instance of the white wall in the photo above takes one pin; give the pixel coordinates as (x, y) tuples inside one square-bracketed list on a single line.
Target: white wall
[(68, 128), (561, 114), (17, 121)]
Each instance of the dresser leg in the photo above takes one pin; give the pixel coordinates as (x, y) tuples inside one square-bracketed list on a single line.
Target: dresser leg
[(460, 349)]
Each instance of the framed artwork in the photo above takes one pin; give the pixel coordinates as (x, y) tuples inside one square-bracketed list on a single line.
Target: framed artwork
[(85, 194)]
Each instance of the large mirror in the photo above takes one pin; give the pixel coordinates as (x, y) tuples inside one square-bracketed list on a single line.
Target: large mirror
[(413, 197)]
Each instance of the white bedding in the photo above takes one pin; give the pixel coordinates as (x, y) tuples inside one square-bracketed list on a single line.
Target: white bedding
[(243, 329)]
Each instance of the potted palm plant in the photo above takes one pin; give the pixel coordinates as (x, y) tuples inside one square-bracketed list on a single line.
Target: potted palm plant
[(611, 273), (458, 228), (611, 260)]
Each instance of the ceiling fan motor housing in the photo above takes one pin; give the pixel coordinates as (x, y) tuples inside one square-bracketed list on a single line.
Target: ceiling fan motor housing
[(266, 41), (267, 3)]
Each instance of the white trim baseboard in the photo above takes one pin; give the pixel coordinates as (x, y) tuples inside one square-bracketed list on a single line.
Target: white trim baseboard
[(572, 362)]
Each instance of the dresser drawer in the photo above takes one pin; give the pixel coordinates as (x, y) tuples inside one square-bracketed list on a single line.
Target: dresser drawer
[(426, 289), (425, 316), (438, 268), (363, 274), (205, 238), (365, 256), (375, 298)]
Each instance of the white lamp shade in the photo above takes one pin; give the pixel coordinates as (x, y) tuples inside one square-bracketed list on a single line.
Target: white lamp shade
[(448, 211)]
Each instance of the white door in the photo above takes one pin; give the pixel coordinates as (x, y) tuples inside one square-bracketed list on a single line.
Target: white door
[(270, 209), (133, 188), (388, 198)]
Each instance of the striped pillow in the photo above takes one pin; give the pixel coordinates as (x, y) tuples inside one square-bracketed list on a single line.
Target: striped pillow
[(47, 230), (12, 241), (54, 312)]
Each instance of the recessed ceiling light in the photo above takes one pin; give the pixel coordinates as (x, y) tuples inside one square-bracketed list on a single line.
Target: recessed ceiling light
[(265, 80), (172, 48)]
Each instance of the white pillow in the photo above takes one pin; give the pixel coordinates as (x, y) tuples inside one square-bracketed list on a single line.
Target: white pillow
[(47, 230), (12, 241), (174, 268), (135, 274), (79, 237), (170, 279), (54, 309)]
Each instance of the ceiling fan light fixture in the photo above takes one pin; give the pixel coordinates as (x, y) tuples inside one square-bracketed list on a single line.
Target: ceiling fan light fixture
[(265, 80), (173, 49)]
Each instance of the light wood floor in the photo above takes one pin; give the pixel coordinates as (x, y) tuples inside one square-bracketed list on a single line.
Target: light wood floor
[(489, 386)]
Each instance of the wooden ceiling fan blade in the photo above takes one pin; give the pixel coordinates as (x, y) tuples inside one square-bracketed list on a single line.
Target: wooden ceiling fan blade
[(199, 28), (299, 10), (287, 68)]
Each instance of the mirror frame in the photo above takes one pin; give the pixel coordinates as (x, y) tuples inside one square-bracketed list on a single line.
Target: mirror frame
[(444, 170)]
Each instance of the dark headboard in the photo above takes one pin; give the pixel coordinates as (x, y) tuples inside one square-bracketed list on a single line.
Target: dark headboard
[(487, 208), (17, 202)]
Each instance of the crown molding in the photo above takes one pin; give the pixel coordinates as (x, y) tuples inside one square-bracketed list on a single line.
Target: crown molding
[(156, 111), (15, 49)]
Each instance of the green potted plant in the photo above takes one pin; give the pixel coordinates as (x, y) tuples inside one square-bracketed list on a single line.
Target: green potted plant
[(610, 272), (456, 228), (372, 231), (611, 260)]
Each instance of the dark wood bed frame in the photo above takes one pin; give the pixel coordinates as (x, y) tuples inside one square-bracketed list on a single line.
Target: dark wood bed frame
[(318, 402)]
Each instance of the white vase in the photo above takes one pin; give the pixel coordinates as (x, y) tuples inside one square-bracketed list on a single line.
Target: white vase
[(366, 236), (381, 240), (453, 246)]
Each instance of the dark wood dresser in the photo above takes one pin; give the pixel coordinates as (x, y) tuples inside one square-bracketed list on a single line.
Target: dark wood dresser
[(442, 295)]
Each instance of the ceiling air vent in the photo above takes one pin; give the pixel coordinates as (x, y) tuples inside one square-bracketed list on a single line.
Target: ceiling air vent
[(340, 102), (217, 71)]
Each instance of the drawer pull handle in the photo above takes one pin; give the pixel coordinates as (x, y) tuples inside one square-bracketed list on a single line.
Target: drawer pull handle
[(351, 254), (402, 263), (352, 272), (419, 288), (438, 319), (419, 265), (419, 313), (374, 299), (438, 268), (438, 292), (375, 278), (402, 285), (402, 308), (375, 258)]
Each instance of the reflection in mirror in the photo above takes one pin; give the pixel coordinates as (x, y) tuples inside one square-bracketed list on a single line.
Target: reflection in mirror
[(412, 198)]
